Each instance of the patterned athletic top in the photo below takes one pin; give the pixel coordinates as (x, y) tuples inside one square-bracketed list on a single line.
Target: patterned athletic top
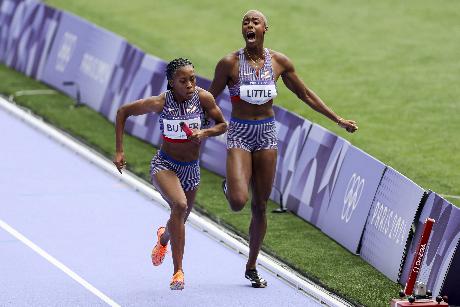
[(254, 86), (173, 113)]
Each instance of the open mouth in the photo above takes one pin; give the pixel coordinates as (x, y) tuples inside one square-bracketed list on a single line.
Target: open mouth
[(251, 36)]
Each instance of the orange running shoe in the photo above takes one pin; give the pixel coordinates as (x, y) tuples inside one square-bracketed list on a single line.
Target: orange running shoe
[(159, 251), (177, 282)]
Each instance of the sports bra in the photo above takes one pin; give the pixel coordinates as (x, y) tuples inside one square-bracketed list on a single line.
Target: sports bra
[(254, 86), (173, 113)]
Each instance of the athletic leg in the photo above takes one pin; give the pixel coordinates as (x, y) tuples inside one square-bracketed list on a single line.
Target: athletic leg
[(190, 195), (168, 184), (263, 174), (239, 168)]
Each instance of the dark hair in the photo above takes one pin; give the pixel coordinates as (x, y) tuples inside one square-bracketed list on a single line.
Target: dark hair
[(175, 65)]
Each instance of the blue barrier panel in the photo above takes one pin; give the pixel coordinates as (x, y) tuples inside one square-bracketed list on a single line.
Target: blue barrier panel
[(214, 150), (11, 21), (452, 280), (202, 82), (316, 174), (149, 80), (7, 25), (441, 246), (31, 32), (86, 55), (352, 198), (389, 222), (66, 53), (292, 131), (101, 55), (122, 79)]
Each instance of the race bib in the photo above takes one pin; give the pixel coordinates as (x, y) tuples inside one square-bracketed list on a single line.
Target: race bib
[(258, 92), (173, 130)]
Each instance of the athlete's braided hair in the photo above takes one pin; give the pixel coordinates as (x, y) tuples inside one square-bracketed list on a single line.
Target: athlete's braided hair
[(175, 65)]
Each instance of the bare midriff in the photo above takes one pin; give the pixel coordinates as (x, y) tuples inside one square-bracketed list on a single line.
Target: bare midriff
[(183, 152), (244, 110)]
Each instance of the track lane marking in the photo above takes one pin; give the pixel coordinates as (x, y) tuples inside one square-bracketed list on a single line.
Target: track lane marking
[(57, 263)]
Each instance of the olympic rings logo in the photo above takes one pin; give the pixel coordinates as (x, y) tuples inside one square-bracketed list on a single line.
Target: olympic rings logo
[(352, 195)]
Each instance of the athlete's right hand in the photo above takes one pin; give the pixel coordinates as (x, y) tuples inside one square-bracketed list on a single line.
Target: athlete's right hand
[(119, 161), (197, 136), (348, 124)]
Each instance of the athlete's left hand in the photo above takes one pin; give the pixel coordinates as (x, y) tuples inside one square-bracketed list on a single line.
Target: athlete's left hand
[(348, 124), (197, 136)]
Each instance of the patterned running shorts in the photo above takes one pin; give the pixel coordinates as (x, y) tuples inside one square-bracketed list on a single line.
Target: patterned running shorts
[(252, 135), (187, 172)]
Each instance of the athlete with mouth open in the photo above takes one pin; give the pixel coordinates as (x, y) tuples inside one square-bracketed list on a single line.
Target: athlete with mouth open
[(251, 74)]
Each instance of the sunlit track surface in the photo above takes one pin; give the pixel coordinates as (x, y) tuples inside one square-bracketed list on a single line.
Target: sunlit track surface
[(102, 230)]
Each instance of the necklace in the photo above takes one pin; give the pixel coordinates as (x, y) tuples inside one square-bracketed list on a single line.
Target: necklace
[(256, 61)]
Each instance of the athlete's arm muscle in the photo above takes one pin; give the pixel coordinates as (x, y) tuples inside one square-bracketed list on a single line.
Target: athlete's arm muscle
[(221, 75), (138, 107)]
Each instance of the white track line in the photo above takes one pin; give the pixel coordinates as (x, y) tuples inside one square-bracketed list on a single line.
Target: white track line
[(216, 231), (33, 92), (56, 263)]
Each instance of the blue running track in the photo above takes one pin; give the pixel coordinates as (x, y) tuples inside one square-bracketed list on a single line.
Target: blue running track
[(95, 226)]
